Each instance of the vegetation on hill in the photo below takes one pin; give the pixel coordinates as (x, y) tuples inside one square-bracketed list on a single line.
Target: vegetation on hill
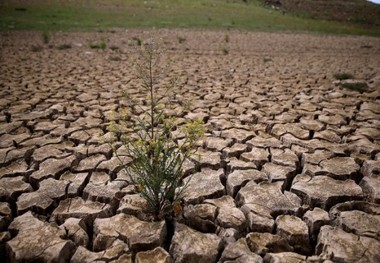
[(351, 11), (85, 15)]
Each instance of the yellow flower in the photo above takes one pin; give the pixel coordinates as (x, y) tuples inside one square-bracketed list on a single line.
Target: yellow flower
[(139, 188), (177, 208)]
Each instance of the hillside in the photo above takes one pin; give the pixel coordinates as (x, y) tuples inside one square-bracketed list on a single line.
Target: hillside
[(353, 11), (326, 17)]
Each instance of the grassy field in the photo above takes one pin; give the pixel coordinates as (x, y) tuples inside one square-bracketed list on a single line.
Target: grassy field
[(87, 15)]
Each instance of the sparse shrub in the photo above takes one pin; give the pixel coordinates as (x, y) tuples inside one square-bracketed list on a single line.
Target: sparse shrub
[(156, 169), (343, 76), (64, 46), (98, 45), (358, 86)]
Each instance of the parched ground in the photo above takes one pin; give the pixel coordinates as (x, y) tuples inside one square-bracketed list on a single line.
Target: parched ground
[(288, 170)]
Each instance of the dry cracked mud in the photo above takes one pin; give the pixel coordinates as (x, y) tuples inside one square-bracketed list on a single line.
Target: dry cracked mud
[(289, 169)]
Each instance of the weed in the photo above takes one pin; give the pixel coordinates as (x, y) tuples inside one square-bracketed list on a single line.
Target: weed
[(156, 169), (358, 86), (64, 46), (98, 45), (46, 37), (267, 60), (114, 48), (225, 51), (181, 39), (103, 45), (115, 58), (226, 38), (343, 76), (138, 41), (36, 48)]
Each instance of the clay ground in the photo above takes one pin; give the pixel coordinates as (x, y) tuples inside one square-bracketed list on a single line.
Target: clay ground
[(289, 167)]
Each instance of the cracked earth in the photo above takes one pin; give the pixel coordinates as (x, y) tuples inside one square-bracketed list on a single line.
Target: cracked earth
[(288, 170)]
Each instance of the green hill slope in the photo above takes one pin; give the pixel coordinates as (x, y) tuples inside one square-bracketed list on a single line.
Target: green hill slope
[(352, 11), (85, 15)]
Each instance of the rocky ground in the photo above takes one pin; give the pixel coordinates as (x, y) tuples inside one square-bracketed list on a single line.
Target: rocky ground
[(288, 170)]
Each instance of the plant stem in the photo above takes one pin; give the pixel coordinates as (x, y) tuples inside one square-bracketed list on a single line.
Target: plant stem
[(152, 105)]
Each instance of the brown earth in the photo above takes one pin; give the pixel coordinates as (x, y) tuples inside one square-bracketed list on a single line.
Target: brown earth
[(289, 167)]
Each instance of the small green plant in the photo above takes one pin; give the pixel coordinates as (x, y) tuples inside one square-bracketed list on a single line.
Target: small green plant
[(358, 86), (115, 58), (98, 45), (156, 169), (226, 38), (36, 48), (343, 76), (64, 46), (181, 39), (46, 37), (114, 48), (138, 41), (267, 60), (225, 51)]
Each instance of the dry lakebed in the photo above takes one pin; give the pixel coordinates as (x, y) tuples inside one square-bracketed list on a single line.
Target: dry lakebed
[(288, 171)]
